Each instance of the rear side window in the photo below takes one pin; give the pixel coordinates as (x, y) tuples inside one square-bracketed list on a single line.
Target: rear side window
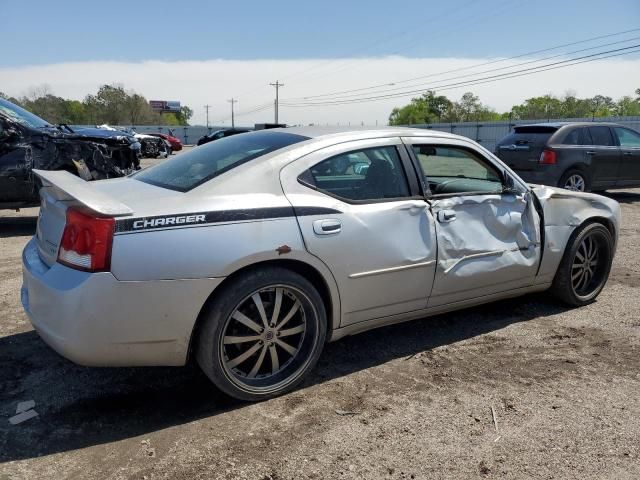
[(574, 137), (370, 174), (627, 138), (601, 136), (187, 171)]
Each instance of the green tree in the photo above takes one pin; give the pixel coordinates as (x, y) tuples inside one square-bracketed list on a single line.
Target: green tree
[(428, 108), (184, 115), (627, 105), (601, 106)]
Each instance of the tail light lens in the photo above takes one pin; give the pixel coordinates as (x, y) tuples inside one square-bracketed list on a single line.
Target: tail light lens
[(86, 241), (548, 157)]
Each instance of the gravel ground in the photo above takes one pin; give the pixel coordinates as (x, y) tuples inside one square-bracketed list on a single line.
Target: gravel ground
[(408, 401)]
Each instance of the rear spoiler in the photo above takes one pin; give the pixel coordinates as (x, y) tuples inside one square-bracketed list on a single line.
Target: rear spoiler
[(82, 191)]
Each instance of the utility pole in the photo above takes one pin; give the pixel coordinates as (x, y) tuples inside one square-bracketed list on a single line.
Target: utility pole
[(277, 85), (207, 107), (233, 122)]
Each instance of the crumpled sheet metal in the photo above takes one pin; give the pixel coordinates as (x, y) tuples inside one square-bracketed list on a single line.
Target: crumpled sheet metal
[(489, 243), (564, 211)]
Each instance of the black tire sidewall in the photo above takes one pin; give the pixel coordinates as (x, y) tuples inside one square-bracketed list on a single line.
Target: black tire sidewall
[(216, 313), (563, 287)]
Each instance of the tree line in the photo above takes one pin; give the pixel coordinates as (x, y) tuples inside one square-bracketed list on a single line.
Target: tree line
[(111, 104), (432, 108)]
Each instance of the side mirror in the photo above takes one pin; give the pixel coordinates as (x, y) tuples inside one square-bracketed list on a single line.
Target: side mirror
[(509, 185)]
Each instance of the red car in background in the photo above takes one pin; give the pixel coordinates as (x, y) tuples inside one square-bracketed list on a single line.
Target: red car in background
[(176, 144)]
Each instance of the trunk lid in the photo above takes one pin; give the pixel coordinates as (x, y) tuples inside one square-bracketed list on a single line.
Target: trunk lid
[(61, 189), (521, 149)]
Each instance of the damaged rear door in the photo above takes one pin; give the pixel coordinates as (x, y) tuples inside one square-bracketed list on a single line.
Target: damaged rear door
[(487, 228)]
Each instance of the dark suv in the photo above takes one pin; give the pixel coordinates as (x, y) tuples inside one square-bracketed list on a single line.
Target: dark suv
[(217, 134), (577, 156)]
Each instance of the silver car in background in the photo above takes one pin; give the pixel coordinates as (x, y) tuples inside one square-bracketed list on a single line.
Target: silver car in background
[(249, 253)]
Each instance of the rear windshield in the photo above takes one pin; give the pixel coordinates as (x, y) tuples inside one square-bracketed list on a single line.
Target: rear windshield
[(527, 136), (535, 129), (188, 170)]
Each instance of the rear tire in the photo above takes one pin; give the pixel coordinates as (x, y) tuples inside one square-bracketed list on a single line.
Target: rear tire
[(244, 346), (585, 266), (575, 180)]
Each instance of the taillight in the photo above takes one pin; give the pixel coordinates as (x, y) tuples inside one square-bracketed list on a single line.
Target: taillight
[(548, 157), (86, 241)]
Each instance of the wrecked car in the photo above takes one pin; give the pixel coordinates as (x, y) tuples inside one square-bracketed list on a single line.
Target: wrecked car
[(150, 146), (28, 142), (250, 252), (175, 145)]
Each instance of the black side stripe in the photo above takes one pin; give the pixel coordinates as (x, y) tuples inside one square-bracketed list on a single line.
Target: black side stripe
[(222, 216)]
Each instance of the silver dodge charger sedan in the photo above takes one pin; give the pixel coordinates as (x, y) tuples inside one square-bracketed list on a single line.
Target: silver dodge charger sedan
[(249, 253)]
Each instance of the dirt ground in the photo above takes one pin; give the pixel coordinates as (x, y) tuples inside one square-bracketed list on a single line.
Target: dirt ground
[(403, 402)]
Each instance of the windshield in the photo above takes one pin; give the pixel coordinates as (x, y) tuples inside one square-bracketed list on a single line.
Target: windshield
[(20, 115), (188, 170)]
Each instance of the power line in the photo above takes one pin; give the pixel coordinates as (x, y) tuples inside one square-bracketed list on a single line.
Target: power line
[(449, 11), (538, 60), (488, 79), (600, 37), (437, 74), (501, 9)]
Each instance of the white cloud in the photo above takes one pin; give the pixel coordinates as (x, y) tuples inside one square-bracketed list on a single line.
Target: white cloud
[(196, 83)]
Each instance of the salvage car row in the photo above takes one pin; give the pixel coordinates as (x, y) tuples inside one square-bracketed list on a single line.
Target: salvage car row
[(28, 142)]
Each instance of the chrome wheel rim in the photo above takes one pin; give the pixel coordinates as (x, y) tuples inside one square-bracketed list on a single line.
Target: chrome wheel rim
[(575, 182), (268, 338), (588, 266)]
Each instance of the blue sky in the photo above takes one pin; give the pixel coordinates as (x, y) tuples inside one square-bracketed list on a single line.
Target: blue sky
[(40, 32)]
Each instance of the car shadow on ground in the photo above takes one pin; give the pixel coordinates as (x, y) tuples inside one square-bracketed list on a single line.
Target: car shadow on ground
[(79, 407), (624, 197), (17, 226)]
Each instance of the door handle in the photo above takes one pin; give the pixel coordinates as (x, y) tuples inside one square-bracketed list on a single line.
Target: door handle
[(590, 152), (329, 226), (446, 216), (628, 154)]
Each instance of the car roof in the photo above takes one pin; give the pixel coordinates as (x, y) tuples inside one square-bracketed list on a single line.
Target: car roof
[(573, 124), (317, 132)]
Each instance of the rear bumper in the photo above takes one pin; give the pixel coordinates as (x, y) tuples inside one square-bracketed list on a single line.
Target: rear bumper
[(96, 320)]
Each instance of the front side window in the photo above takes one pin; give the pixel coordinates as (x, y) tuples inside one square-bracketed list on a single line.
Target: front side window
[(370, 174), (456, 170), (627, 138), (601, 136), (197, 166)]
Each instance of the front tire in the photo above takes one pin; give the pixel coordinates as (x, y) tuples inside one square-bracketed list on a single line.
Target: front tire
[(585, 266), (262, 334)]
